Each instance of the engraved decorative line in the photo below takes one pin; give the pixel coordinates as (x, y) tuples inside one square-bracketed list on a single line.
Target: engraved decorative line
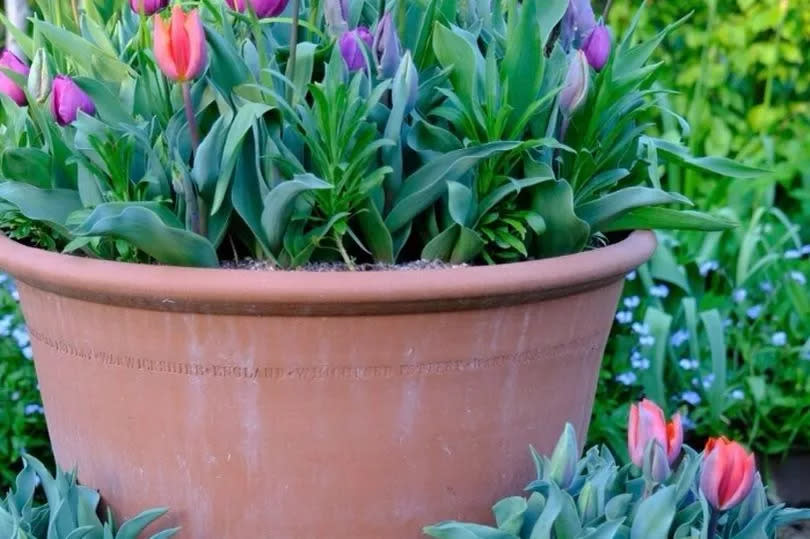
[(561, 352)]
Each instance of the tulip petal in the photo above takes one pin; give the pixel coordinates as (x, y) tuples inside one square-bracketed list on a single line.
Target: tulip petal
[(199, 52), (163, 52), (633, 446), (674, 438), (711, 475), (179, 43)]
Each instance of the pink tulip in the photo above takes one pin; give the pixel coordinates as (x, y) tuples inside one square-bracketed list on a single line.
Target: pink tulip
[(150, 7), (67, 99), (263, 8), (180, 47), (8, 60), (728, 473), (647, 423)]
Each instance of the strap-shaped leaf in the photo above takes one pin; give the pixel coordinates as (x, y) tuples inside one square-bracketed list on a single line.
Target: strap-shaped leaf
[(426, 185), (524, 41), (717, 165), (460, 203), (134, 526), (278, 205), (452, 49), (464, 530), (51, 206), (374, 233), (655, 514), (509, 513), (611, 206), (667, 218), (565, 232), (152, 232)]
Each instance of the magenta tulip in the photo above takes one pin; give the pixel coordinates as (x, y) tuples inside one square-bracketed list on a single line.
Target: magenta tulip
[(351, 47), (67, 99), (8, 60), (262, 8), (149, 7), (597, 47)]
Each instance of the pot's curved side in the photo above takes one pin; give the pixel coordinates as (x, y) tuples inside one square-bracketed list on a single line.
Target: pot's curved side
[(167, 288), (329, 426)]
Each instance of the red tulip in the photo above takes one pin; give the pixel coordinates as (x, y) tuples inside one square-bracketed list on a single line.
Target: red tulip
[(728, 473), (180, 47), (647, 423)]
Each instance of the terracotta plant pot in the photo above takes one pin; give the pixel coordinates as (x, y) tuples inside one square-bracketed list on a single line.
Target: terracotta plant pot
[(303, 405)]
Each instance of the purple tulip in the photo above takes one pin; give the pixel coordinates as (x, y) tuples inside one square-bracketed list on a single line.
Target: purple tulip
[(387, 48), (10, 61), (575, 89), (351, 47), (67, 99), (150, 7), (597, 47), (263, 8), (577, 24), (336, 13)]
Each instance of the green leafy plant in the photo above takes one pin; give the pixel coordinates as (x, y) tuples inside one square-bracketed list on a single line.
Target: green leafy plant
[(596, 497), (303, 140), (70, 511)]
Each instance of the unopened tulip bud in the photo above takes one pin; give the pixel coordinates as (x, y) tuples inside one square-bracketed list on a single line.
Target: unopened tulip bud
[(67, 99), (10, 61), (148, 7), (262, 8), (564, 458), (597, 47), (411, 81), (577, 24), (576, 85), (351, 47), (647, 423), (180, 48), (40, 78), (728, 473), (655, 467), (387, 47), (334, 12)]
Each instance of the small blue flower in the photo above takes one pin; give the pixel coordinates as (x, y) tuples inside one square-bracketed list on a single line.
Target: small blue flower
[(6, 322), (779, 338), (15, 396), (707, 381), (14, 294), (687, 422), (31, 409), (766, 287), (3, 278), (737, 395), (691, 397), (641, 329), (805, 250), (641, 363), (20, 334), (707, 267), (659, 291), (793, 254), (627, 378), (631, 276), (754, 311), (624, 317), (679, 337), (739, 295), (689, 364), (646, 340), (27, 352), (631, 302), (798, 277)]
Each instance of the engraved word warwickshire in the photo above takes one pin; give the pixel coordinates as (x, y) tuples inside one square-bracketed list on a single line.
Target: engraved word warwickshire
[(562, 352)]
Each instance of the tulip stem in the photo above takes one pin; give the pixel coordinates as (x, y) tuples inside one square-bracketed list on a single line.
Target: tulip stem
[(296, 7), (714, 520), (190, 117), (75, 9)]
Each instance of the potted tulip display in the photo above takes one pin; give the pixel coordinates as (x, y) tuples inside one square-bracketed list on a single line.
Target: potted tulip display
[(310, 270), (668, 490)]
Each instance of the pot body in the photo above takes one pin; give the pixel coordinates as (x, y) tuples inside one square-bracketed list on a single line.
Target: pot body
[(365, 407)]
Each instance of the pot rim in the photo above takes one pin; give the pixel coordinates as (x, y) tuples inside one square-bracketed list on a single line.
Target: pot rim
[(312, 293)]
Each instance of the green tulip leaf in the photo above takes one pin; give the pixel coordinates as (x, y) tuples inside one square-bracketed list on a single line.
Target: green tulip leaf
[(655, 515), (27, 165), (565, 232), (278, 205), (462, 530), (151, 230), (509, 513), (51, 206), (609, 207), (666, 218)]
